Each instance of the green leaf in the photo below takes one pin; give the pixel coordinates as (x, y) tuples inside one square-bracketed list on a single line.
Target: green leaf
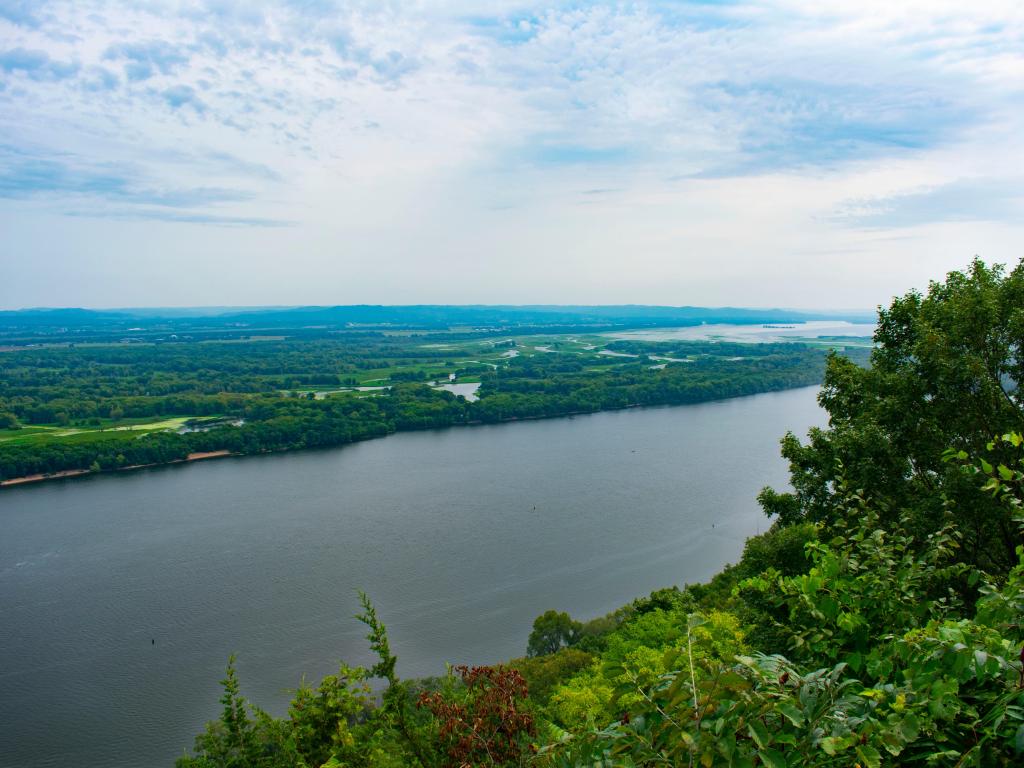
[(980, 658), (1005, 472), (835, 744), (772, 758), (759, 733), (1018, 742), (869, 756), (992, 485), (909, 727), (792, 713)]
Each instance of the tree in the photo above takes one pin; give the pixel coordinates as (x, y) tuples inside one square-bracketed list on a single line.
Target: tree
[(487, 725), (552, 630), (395, 700), (323, 722), (238, 739), (543, 673), (946, 372), (9, 421)]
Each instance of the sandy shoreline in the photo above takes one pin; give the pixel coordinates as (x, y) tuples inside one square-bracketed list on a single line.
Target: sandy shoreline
[(41, 477), (207, 455), (198, 456)]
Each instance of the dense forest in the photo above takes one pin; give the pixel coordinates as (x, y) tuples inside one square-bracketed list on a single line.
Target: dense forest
[(878, 622), (111, 406)]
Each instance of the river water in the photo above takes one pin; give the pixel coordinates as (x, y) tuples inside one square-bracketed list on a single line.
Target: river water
[(121, 596)]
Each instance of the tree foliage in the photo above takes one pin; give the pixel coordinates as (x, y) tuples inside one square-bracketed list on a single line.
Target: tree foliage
[(946, 373), (552, 631), (880, 672), (487, 725)]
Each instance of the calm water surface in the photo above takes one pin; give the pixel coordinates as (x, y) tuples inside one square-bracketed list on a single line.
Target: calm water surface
[(460, 536), (766, 333)]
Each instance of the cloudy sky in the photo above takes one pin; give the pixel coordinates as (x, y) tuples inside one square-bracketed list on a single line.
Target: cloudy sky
[(212, 152)]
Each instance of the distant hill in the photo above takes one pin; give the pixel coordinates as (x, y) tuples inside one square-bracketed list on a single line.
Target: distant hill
[(421, 314)]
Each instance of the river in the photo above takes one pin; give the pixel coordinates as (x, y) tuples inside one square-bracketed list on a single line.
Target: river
[(122, 595)]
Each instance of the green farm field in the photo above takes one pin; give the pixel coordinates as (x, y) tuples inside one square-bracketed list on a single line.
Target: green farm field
[(45, 433)]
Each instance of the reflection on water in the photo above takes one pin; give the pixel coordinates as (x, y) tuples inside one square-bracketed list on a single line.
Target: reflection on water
[(468, 391)]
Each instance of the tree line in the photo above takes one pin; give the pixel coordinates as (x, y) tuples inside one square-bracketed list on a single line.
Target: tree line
[(271, 422)]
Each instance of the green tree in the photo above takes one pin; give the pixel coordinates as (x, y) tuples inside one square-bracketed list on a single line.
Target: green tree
[(324, 722), (552, 630), (396, 701), (946, 372), (543, 673), (243, 737)]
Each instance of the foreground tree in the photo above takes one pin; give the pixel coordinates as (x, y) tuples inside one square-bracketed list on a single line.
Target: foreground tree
[(946, 372)]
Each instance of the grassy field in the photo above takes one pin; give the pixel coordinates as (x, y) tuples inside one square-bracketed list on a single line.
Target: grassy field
[(37, 433)]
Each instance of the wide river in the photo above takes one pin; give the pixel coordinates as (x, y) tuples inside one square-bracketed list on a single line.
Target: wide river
[(121, 596)]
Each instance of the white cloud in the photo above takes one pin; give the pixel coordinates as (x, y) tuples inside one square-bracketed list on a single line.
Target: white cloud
[(450, 151)]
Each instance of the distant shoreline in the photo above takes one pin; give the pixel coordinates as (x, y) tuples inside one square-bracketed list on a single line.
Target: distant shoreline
[(202, 455), (38, 478)]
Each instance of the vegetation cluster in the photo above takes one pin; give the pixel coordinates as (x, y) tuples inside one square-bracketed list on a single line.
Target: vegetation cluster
[(107, 407)]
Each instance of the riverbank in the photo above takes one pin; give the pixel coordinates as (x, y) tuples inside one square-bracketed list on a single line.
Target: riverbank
[(735, 389), (394, 429), (38, 478), (545, 386)]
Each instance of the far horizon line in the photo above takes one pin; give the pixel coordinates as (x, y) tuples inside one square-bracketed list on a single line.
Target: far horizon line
[(248, 307)]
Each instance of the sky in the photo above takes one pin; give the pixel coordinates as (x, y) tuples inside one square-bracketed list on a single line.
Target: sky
[(791, 154)]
